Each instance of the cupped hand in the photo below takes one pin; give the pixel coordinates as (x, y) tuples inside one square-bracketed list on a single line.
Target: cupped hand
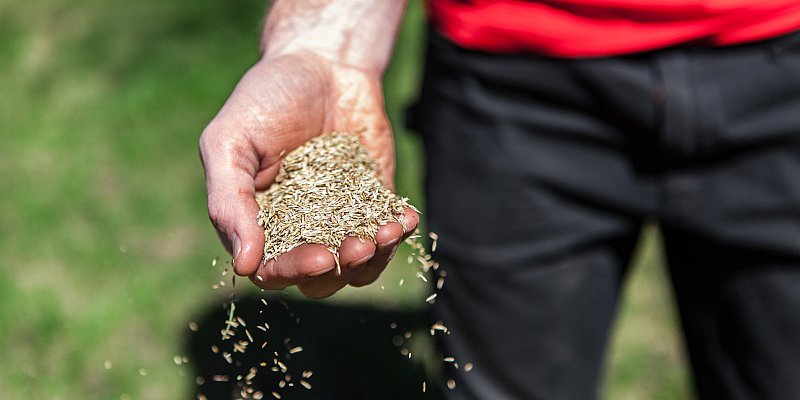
[(277, 106)]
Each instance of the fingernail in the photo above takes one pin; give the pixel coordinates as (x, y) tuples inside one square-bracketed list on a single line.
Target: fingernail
[(382, 248), (237, 246), (359, 263)]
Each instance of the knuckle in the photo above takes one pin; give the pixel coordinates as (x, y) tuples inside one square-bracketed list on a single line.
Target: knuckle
[(216, 214), (205, 141)]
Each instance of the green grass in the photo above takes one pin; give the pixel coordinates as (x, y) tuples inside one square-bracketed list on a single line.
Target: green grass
[(105, 239)]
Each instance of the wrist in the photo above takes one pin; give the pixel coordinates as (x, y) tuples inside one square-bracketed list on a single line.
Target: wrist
[(357, 34)]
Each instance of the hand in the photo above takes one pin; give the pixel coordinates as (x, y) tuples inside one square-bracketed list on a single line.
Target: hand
[(281, 103)]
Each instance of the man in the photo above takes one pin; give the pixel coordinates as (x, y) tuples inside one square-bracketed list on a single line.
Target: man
[(552, 129)]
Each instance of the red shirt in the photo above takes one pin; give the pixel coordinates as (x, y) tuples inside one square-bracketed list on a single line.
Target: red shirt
[(593, 28)]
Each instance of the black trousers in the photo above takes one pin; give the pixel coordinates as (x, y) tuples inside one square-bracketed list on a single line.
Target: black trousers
[(540, 173)]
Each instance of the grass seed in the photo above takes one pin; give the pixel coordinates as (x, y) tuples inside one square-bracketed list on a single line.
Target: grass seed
[(325, 190)]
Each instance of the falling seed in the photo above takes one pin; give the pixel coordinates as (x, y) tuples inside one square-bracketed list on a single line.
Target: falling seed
[(240, 346), (401, 282), (264, 301), (214, 262), (448, 359), (193, 326), (468, 367), (107, 364), (439, 283), (250, 337), (214, 349), (430, 298), (305, 384), (424, 386), (276, 395), (420, 276), (295, 350), (177, 360), (451, 384), (142, 371)]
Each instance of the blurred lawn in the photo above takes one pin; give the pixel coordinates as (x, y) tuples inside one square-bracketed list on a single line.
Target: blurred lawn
[(103, 228)]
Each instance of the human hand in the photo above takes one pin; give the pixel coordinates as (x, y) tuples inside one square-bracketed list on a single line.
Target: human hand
[(281, 103)]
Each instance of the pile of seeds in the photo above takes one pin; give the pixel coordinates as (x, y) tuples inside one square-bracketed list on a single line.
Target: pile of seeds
[(325, 190)]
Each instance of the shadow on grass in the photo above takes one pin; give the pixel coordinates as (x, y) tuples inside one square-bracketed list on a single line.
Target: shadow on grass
[(354, 351)]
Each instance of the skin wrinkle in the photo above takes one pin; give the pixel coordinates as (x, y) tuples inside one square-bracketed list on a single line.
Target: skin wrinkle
[(228, 145), (243, 159)]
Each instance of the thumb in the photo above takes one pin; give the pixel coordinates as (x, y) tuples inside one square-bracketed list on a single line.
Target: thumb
[(230, 169)]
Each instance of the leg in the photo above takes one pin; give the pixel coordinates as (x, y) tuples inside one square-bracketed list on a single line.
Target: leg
[(731, 217), (741, 316), (535, 331), (527, 198)]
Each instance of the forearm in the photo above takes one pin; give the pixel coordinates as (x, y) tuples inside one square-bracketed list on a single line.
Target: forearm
[(355, 33)]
